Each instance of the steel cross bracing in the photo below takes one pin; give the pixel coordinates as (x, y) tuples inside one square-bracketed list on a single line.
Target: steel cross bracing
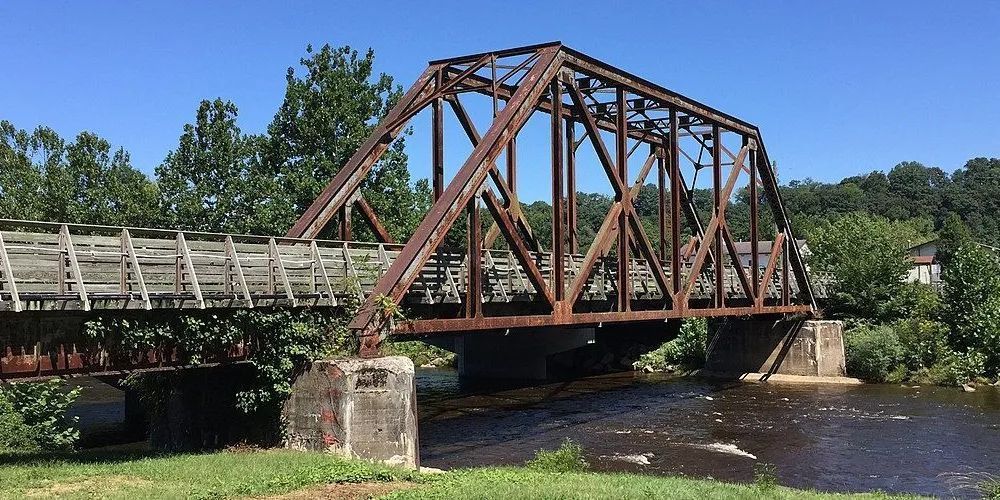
[(618, 114)]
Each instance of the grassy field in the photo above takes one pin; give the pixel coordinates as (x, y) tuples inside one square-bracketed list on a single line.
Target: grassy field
[(314, 475)]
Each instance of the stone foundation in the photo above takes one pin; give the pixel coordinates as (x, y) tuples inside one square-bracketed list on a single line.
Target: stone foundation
[(358, 408), (811, 348)]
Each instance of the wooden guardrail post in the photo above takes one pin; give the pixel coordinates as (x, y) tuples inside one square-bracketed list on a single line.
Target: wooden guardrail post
[(9, 276), (74, 266)]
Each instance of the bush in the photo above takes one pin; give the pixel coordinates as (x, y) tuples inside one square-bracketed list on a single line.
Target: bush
[(956, 369), (924, 342), (867, 255), (765, 476), (33, 416), (873, 352), (567, 458), (688, 349), (915, 301), (972, 303)]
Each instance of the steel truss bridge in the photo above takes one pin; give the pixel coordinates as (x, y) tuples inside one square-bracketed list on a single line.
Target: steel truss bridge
[(630, 130)]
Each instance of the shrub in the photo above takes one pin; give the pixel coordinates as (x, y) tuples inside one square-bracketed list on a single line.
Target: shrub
[(873, 352), (867, 255), (687, 349), (915, 301), (924, 342), (956, 369), (567, 458), (765, 476), (34, 416), (15, 435), (972, 303)]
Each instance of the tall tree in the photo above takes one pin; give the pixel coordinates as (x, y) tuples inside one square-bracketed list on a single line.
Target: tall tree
[(328, 111), (80, 182), (215, 181)]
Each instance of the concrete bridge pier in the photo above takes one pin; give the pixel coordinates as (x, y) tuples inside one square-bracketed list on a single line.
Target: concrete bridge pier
[(518, 355), (811, 348)]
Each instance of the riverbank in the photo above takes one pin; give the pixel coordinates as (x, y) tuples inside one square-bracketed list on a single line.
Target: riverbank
[(238, 474)]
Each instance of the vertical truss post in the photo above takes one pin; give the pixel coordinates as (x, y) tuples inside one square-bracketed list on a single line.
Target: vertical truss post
[(437, 147), (571, 218), (661, 203), (754, 218), (345, 222), (474, 287), (720, 293), (675, 205), (621, 141), (555, 90), (786, 293), (511, 158)]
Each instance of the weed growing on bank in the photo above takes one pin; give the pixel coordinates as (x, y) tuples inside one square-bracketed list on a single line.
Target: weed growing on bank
[(567, 458)]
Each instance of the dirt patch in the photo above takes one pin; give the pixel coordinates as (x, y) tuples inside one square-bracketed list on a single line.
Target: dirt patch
[(85, 485), (346, 491)]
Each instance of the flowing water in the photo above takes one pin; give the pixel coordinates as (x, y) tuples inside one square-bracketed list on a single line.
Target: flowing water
[(826, 437)]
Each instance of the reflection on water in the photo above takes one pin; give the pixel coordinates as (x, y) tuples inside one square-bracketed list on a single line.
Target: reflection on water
[(828, 437)]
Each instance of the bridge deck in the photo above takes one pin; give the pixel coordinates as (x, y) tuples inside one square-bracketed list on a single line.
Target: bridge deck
[(53, 267)]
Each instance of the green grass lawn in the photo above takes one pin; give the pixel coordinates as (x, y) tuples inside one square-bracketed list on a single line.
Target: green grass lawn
[(259, 473)]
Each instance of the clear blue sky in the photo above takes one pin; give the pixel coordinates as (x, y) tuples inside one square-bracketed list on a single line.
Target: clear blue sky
[(837, 88)]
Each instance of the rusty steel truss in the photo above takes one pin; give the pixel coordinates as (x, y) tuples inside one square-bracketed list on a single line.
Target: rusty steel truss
[(618, 114)]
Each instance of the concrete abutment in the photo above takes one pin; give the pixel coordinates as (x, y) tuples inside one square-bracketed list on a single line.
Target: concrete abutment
[(810, 348)]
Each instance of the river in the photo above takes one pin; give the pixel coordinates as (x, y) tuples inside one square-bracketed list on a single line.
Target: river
[(826, 437)]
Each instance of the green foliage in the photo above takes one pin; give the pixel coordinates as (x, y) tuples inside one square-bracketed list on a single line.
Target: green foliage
[(868, 259), (924, 342), (687, 350), (282, 341), (914, 300), (873, 352), (215, 181), (567, 458), (33, 416), (765, 476), (43, 177), (327, 113), (972, 303), (421, 353)]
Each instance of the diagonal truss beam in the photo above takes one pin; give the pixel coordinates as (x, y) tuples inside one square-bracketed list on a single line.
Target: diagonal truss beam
[(466, 184)]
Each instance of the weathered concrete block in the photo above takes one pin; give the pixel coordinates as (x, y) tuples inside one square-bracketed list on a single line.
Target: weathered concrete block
[(359, 408), (807, 348)]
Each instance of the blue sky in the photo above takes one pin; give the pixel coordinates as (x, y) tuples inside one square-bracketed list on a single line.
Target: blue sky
[(837, 88)]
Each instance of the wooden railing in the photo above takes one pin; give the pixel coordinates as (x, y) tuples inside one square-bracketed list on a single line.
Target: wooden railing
[(48, 266)]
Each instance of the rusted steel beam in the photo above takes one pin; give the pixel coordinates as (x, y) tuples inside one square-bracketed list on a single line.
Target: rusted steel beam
[(348, 180), (754, 220), (720, 289), (624, 261), (437, 149), (675, 204), (430, 327), (772, 262), (558, 271), (770, 184), (373, 221), (507, 193), (571, 218), (466, 183), (474, 288), (520, 251), (711, 232)]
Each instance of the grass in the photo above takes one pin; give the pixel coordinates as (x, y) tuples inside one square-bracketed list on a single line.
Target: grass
[(258, 473)]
